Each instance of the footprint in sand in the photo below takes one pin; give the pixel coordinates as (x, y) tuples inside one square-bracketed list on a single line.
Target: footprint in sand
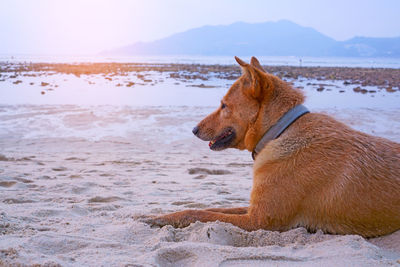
[(223, 192), (207, 171), (16, 201), (7, 183), (176, 257), (103, 199), (75, 176), (25, 181), (4, 158), (50, 244), (179, 203), (44, 213), (59, 169), (75, 159), (234, 164)]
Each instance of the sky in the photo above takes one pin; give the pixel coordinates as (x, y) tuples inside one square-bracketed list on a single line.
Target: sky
[(85, 27)]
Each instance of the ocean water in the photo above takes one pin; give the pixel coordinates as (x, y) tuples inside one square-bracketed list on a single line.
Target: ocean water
[(222, 60), (67, 89)]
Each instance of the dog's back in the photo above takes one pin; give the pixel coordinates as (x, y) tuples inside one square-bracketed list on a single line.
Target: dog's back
[(345, 181)]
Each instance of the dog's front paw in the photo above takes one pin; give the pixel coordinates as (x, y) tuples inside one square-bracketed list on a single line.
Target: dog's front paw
[(178, 219), (156, 221)]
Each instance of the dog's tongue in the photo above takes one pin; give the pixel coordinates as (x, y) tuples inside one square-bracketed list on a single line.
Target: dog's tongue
[(211, 143)]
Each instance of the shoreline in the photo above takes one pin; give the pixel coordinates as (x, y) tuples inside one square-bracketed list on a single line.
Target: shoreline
[(381, 77)]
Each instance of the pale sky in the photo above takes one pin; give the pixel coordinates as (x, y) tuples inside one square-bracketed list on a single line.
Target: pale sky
[(89, 26)]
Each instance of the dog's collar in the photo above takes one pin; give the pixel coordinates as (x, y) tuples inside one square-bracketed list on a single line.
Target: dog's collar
[(277, 129)]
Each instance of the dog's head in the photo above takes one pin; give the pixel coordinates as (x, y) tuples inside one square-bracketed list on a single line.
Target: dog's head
[(239, 120)]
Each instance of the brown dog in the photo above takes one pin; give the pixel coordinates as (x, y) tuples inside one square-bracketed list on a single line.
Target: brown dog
[(319, 173)]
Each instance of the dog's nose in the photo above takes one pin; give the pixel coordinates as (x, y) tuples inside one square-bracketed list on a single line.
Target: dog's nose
[(195, 130)]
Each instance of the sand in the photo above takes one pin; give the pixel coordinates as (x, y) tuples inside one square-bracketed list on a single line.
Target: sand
[(75, 182), (89, 150)]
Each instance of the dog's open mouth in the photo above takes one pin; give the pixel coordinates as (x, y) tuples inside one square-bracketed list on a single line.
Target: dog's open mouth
[(223, 140)]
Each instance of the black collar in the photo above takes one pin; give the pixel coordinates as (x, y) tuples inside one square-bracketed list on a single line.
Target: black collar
[(277, 129)]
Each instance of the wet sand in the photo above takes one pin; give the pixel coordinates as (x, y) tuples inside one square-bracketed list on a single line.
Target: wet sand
[(144, 84), (384, 78), (75, 180)]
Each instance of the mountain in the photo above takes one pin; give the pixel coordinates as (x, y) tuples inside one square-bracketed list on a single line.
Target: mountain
[(282, 38), (370, 47)]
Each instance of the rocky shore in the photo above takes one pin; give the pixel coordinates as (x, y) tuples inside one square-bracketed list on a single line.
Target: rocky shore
[(383, 78)]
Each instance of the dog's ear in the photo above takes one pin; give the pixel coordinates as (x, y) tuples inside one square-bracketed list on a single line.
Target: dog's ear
[(256, 64), (253, 76), (241, 62)]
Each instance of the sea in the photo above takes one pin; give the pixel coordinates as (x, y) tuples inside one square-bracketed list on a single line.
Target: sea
[(164, 90), (209, 60)]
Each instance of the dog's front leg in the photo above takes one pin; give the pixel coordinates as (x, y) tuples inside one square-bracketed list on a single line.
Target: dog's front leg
[(241, 210), (186, 217)]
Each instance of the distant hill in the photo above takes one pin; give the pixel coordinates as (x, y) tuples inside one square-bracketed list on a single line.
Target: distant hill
[(368, 47), (282, 38)]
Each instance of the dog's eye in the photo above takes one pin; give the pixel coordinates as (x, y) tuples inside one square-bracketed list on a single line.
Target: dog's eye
[(223, 106)]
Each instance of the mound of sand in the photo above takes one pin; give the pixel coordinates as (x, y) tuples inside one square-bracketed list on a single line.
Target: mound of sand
[(221, 244)]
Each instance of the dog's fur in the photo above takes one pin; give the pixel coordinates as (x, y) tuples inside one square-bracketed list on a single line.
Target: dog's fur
[(319, 174)]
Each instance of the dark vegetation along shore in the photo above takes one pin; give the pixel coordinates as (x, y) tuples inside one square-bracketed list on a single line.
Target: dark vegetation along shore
[(382, 78)]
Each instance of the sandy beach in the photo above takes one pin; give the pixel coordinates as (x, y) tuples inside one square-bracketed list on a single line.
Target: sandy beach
[(86, 152)]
